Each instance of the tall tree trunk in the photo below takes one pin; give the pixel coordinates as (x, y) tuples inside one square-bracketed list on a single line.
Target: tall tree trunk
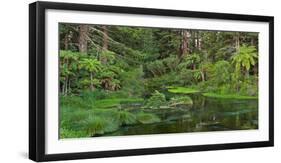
[(198, 41), (105, 44), (184, 47), (82, 40), (237, 41), (105, 38)]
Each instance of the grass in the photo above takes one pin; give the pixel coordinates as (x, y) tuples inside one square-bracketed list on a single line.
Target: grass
[(68, 133), (98, 125), (85, 123), (182, 90), (229, 96), (126, 118), (81, 120)]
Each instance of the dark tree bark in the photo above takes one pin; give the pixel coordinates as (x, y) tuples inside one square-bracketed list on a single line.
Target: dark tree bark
[(66, 40), (237, 41), (82, 40)]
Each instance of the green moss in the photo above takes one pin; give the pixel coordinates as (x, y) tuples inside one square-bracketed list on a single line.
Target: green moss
[(115, 102), (229, 96), (182, 90), (147, 118)]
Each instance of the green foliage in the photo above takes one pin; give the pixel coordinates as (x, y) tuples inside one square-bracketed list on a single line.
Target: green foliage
[(90, 64), (107, 57), (147, 118), (190, 61), (156, 100), (221, 72), (157, 68), (132, 82), (245, 57), (186, 77), (171, 63), (160, 83)]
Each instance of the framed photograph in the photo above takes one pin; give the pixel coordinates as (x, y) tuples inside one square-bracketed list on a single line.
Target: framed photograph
[(118, 81)]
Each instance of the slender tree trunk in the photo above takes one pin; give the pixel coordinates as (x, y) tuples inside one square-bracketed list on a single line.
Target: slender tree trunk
[(199, 41), (184, 48), (82, 40), (62, 91), (202, 75), (66, 81), (237, 41), (252, 41), (69, 90), (91, 82), (65, 42)]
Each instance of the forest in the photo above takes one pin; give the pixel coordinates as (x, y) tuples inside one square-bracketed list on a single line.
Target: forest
[(121, 80)]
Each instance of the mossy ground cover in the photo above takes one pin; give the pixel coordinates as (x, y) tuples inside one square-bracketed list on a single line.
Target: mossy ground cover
[(182, 90), (114, 102), (230, 96)]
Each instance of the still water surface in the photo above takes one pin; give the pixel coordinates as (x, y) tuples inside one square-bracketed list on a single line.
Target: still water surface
[(206, 114)]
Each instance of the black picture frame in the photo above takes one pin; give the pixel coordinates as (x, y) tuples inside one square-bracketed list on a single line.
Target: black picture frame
[(37, 81)]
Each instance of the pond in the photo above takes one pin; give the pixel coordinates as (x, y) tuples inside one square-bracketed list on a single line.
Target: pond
[(206, 114)]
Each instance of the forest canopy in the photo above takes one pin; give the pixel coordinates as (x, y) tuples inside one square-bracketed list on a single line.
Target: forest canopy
[(114, 58)]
